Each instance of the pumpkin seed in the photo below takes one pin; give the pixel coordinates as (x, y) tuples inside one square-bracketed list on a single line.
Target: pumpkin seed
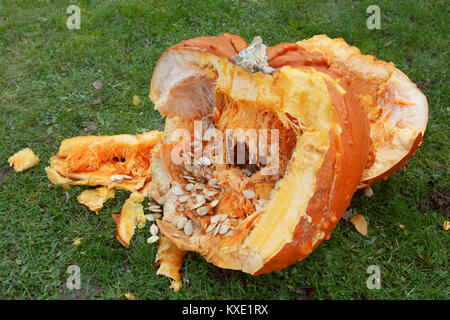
[(214, 203), (199, 198), (154, 230), (249, 194), (213, 182), (199, 186), (188, 228), (183, 199), (215, 219), (205, 161), (368, 191), (177, 190), (224, 228), (210, 193), (211, 227), (169, 207), (189, 187), (197, 205), (150, 217), (216, 230), (181, 222), (202, 211), (152, 239), (155, 208)]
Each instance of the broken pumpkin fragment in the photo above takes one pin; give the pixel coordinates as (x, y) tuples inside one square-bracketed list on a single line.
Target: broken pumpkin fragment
[(360, 224), (119, 162), (95, 198), (23, 160), (170, 260), (132, 214)]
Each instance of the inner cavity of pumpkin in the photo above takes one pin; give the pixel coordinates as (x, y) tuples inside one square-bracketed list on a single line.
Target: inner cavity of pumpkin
[(228, 167)]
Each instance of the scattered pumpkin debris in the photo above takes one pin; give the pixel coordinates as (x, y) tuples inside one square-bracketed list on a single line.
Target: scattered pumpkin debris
[(77, 241), (95, 198), (170, 260), (132, 215), (23, 160), (446, 225), (360, 224)]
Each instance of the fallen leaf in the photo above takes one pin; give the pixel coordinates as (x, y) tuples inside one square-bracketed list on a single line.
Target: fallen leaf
[(360, 224), (23, 160), (368, 191), (446, 225), (97, 84), (77, 241), (130, 296), (136, 101)]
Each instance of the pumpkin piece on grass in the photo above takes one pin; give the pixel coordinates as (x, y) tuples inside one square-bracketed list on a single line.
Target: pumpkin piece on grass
[(170, 260), (132, 215), (360, 224), (119, 162), (23, 160), (95, 198)]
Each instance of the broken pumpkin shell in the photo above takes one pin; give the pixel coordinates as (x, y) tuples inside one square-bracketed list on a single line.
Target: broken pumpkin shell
[(319, 114), (396, 108)]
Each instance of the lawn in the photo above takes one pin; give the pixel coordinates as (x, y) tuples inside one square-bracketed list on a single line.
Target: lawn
[(46, 95)]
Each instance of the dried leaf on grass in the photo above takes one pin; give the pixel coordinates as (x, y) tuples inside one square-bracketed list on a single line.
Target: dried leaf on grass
[(77, 241), (446, 225), (360, 224), (95, 198), (136, 101), (170, 260), (23, 160), (130, 296), (97, 84)]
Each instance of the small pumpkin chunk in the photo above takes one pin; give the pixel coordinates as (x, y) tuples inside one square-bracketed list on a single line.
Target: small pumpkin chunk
[(95, 198), (23, 160)]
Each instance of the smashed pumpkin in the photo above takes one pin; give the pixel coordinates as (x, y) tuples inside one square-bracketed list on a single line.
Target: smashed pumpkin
[(344, 120), (324, 118)]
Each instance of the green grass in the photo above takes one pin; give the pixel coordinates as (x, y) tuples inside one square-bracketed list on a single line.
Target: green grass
[(46, 95)]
